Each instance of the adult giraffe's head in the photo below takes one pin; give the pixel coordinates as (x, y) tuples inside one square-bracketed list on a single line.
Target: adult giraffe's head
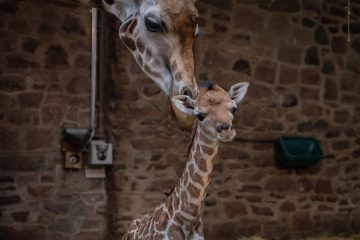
[(160, 35)]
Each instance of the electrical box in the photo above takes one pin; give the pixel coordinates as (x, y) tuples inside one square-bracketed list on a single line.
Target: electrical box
[(73, 159), (101, 153)]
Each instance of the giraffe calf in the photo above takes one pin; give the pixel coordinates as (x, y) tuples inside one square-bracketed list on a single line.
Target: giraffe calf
[(178, 216)]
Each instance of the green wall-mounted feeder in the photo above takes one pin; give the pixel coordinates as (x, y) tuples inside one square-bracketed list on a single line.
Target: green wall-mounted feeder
[(299, 151)]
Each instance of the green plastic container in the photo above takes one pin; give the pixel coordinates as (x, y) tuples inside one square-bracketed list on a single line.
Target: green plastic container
[(299, 151)]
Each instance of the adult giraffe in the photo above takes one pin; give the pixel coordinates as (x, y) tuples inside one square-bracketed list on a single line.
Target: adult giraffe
[(160, 35)]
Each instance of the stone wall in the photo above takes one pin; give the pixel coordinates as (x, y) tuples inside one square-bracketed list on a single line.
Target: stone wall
[(44, 86), (304, 79)]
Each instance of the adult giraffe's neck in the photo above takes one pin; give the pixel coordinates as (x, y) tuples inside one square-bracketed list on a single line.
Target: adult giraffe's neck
[(185, 202)]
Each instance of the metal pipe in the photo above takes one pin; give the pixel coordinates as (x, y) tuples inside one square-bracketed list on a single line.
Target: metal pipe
[(94, 67)]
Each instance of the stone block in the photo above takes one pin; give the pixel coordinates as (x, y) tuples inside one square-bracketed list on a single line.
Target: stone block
[(9, 7), (328, 67), (280, 6), (72, 25), (312, 56), (234, 209), (309, 93), (288, 75), (247, 20), (65, 225), (265, 71), (77, 83), (301, 221), (30, 45), (341, 116), (220, 4), (12, 83), (56, 56), (47, 28), (311, 109), (262, 211), (22, 232), (288, 207), (40, 192), (38, 139), (280, 184), (310, 76), (17, 62), (323, 186), (338, 44), (331, 89), (20, 216), (10, 139), (52, 114), (289, 53), (290, 101), (348, 83), (58, 207), (242, 66), (340, 145), (30, 99), (22, 162), (321, 36), (9, 200)]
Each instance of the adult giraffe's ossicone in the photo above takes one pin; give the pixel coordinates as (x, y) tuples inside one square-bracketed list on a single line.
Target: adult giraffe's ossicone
[(160, 35)]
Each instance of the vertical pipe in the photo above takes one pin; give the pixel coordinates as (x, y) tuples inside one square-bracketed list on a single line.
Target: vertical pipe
[(94, 67)]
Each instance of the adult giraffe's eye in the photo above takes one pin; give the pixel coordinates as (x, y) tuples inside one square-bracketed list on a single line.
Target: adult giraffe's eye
[(153, 26), (200, 116), (233, 110)]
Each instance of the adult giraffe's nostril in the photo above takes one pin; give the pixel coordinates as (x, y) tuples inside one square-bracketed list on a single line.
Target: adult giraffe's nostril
[(186, 91)]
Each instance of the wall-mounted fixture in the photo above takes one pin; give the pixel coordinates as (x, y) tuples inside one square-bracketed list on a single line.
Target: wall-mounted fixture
[(78, 142), (100, 153), (73, 144), (299, 151)]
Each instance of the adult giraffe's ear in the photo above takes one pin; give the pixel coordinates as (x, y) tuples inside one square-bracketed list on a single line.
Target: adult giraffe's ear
[(237, 92), (122, 9), (183, 104)]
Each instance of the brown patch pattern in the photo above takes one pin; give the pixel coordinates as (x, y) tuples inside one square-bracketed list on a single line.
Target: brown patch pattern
[(129, 42)]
